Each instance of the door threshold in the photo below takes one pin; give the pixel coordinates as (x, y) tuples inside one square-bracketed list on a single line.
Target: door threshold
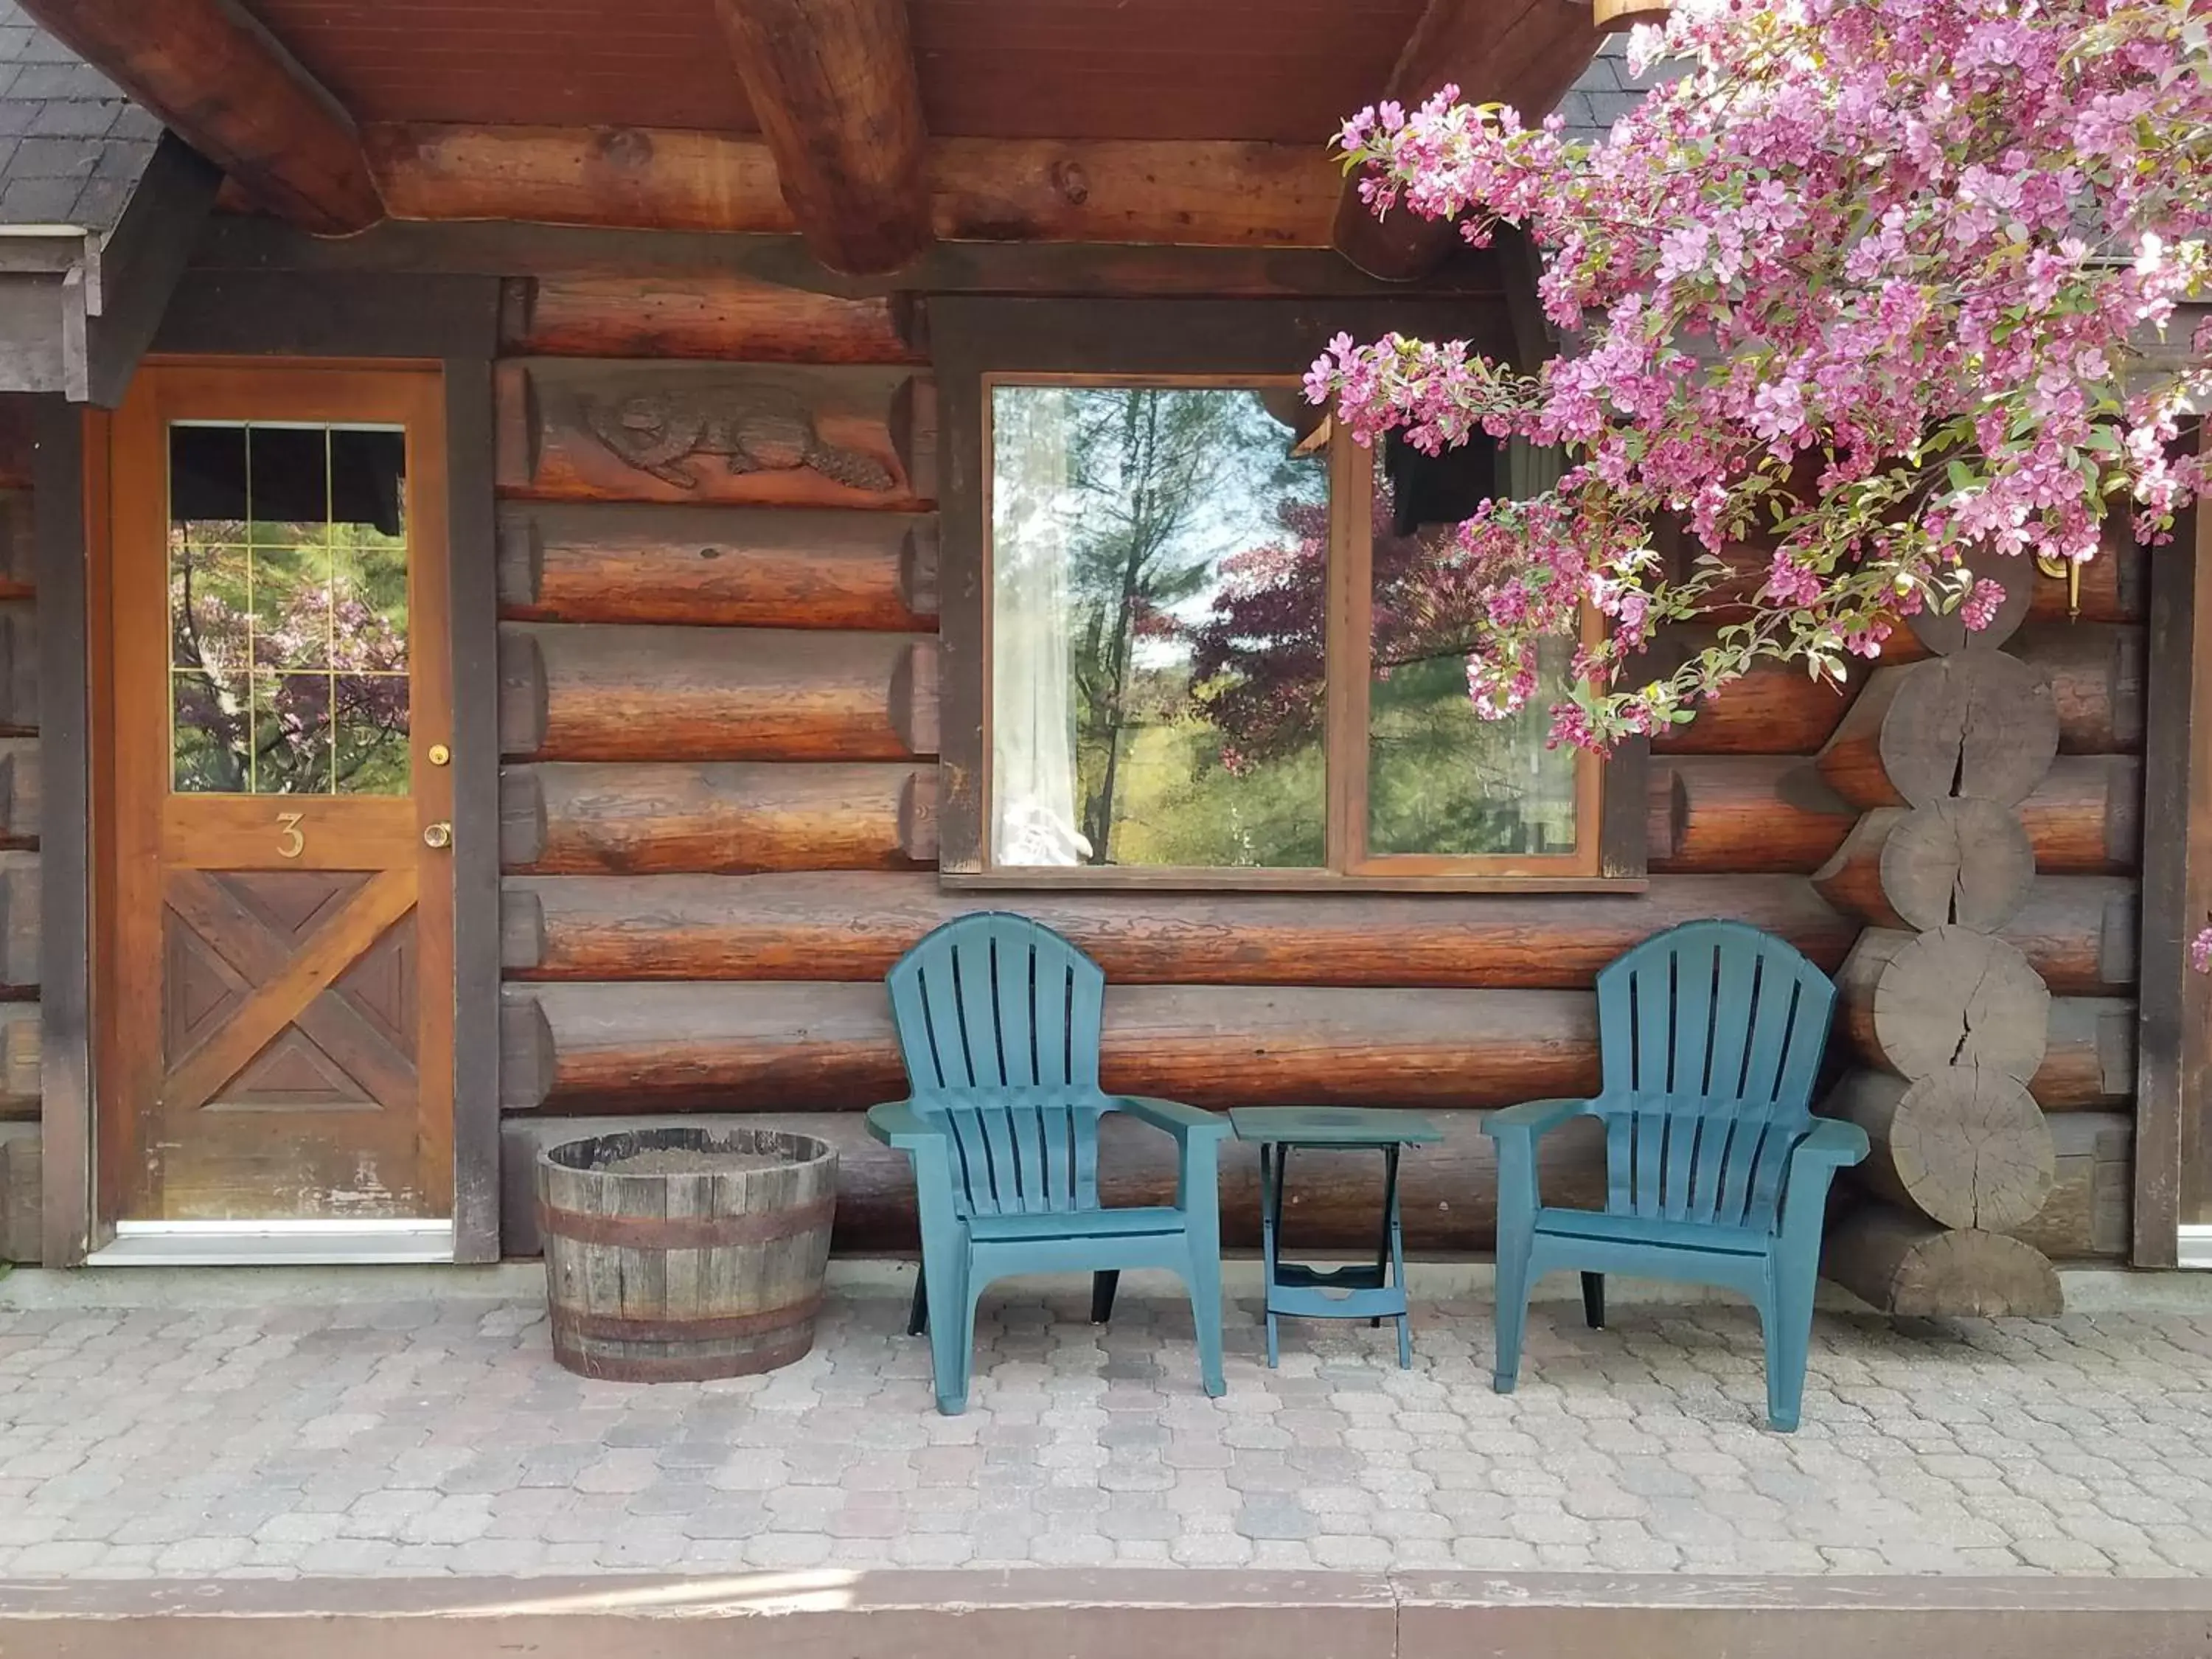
[(273, 1243), (2194, 1244)]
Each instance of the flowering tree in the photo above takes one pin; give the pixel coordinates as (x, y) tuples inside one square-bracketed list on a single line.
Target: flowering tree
[(1870, 287)]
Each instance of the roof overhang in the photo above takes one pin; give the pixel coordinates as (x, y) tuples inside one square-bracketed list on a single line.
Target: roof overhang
[(77, 307)]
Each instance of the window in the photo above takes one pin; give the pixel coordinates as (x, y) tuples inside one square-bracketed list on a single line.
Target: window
[(1193, 637), (288, 609), (1175, 569)]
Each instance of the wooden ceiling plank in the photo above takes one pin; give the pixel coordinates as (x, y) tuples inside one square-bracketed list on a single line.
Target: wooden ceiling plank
[(225, 85), (833, 85), (1523, 52)]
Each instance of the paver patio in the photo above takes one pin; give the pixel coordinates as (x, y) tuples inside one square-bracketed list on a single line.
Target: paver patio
[(431, 1437)]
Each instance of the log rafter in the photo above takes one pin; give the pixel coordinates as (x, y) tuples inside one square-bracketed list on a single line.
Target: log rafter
[(1524, 53), (833, 85), (228, 87)]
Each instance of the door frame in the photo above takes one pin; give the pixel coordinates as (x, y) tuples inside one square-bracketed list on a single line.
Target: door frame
[(306, 320)]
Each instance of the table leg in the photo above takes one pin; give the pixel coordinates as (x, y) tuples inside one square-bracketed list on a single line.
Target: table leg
[(1398, 1267), (1390, 1209), (1272, 1161)]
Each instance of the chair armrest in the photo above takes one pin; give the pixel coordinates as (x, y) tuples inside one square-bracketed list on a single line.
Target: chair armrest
[(1833, 1142), (1533, 1119), (1185, 1123), (895, 1123)]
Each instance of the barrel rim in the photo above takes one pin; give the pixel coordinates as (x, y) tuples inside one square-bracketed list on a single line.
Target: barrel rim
[(806, 1151)]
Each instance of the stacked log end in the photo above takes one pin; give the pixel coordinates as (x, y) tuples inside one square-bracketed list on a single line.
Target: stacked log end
[(1947, 1018)]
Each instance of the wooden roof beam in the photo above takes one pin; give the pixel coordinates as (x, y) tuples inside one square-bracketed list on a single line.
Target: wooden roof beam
[(833, 85), (1523, 52), (223, 83)]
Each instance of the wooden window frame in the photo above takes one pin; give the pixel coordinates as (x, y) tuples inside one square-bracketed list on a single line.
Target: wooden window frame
[(979, 344)]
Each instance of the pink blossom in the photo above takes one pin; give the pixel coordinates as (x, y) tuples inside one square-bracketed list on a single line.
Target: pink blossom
[(1865, 288), (2200, 951)]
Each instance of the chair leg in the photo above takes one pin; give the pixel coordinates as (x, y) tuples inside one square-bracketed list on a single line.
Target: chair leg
[(917, 1316), (1786, 1319), (1102, 1287), (1205, 1281), (1594, 1300), (951, 1328), (1512, 1309)]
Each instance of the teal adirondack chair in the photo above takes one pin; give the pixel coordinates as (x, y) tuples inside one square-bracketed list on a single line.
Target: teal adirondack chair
[(998, 1022), (1716, 1172)]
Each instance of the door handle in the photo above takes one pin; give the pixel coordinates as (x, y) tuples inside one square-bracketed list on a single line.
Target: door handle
[(438, 835)]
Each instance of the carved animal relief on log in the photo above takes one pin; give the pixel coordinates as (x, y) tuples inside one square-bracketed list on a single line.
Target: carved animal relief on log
[(764, 429)]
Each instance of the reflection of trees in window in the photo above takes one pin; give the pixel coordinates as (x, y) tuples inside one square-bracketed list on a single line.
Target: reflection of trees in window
[(289, 661), (1160, 475), (1439, 779)]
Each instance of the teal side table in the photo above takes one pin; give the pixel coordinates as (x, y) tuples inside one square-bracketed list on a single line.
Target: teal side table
[(1358, 1291)]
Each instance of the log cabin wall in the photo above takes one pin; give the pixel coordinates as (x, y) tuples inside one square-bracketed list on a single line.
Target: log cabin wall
[(19, 1161), (718, 717)]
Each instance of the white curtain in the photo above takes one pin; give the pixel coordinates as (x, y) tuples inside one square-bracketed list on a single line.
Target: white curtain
[(1033, 782)]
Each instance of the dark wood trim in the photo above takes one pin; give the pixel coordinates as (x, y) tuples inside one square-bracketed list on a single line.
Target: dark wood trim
[(2173, 1038), (1624, 836), (62, 481), (473, 619), (962, 849), (140, 266), (330, 314), (1188, 336), (236, 243)]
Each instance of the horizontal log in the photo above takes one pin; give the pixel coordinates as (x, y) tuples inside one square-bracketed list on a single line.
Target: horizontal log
[(1218, 194), (800, 1047), (19, 792), (1775, 709), (2079, 932), (2086, 816), (19, 666), (20, 1192), (726, 567), (710, 694), (1712, 814), (1743, 814), (855, 927), (2115, 587), (1916, 1003), (727, 317), (19, 923), (19, 1083), (1980, 724), (1964, 1147), (1901, 1265), (2096, 674), (729, 818), (2089, 1059), (2092, 1192), (1967, 861), (1447, 1190), (578, 429)]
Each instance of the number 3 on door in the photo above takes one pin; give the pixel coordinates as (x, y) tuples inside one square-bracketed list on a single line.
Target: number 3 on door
[(290, 843)]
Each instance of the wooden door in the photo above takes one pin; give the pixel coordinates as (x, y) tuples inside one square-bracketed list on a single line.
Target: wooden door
[(276, 957)]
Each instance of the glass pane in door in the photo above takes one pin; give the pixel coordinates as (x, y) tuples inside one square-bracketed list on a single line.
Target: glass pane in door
[(288, 609)]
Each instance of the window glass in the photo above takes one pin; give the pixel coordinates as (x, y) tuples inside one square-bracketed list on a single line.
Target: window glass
[(1157, 579), (1442, 781), (288, 609)]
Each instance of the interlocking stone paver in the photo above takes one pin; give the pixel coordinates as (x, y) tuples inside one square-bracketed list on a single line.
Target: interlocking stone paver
[(438, 1437)]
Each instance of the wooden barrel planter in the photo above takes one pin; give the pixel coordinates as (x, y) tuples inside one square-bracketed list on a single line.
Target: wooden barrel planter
[(672, 1255)]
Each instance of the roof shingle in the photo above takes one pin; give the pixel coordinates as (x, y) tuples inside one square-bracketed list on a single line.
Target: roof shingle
[(82, 144)]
